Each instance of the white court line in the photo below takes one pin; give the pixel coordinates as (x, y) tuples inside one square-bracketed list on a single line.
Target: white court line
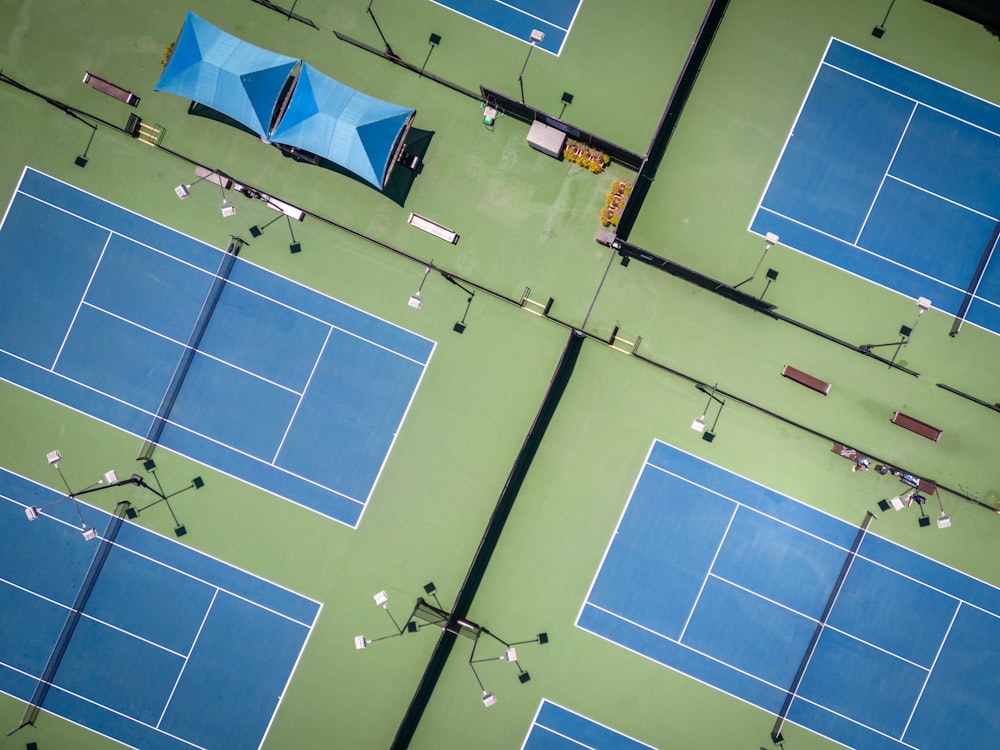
[(305, 388), (523, 12), (587, 719), (942, 198), (187, 657), (930, 671), (864, 250), (885, 174), (708, 573), (291, 673), (184, 345), (189, 430), (919, 103), (144, 556), (544, 21), (213, 274), (76, 312), (565, 737), (85, 699), (309, 627)]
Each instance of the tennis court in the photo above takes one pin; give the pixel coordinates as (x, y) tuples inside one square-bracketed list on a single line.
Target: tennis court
[(795, 611), (893, 176), (554, 18), (422, 440), (558, 728), (284, 388), (173, 649)]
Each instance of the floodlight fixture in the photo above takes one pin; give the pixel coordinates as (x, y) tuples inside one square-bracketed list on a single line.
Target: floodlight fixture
[(701, 423), (227, 208), (53, 457), (388, 50), (381, 599), (534, 38), (567, 99), (489, 699), (434, 40), (32, 513), (184, 189), (361, 642), (923, 305), (89, 533), (510, 654), (943, 520), (896, 502), (81, 160), (879, 31), (459, 327), (770, 240), (417, 299)]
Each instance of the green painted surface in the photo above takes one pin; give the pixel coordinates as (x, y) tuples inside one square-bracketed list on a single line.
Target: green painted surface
[(525, 221)]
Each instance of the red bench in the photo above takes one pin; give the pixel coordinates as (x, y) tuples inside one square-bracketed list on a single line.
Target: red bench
[(820, 386), (111, 89), (915, 425)]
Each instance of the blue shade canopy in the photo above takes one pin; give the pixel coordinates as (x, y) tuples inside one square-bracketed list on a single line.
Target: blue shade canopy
[(231, 76), (349, 128)]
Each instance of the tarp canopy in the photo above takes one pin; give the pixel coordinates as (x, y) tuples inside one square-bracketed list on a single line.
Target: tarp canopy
[(322, 116), (231, 76), (349, 128)]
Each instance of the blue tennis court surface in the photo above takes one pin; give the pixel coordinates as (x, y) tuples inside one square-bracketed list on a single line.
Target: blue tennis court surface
[(289, 390), (894, 177), (174, 649), (518, 18), (725, 581), (558, 728)]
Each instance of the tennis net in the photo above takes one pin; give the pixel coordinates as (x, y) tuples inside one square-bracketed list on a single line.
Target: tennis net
[(811, 648), (977, 277), (72, 618), (162, 415)]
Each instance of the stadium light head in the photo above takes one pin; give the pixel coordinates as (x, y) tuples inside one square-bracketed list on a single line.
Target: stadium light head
[(923, 305), (699, 424), (489, 699), (183, 190), (381, 599), (227, 208), (943, 521), (89, 533), (360, 642), (32, 513), (536, 36), (510, 655), (770, 240), (53, 457), (417, 299)]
